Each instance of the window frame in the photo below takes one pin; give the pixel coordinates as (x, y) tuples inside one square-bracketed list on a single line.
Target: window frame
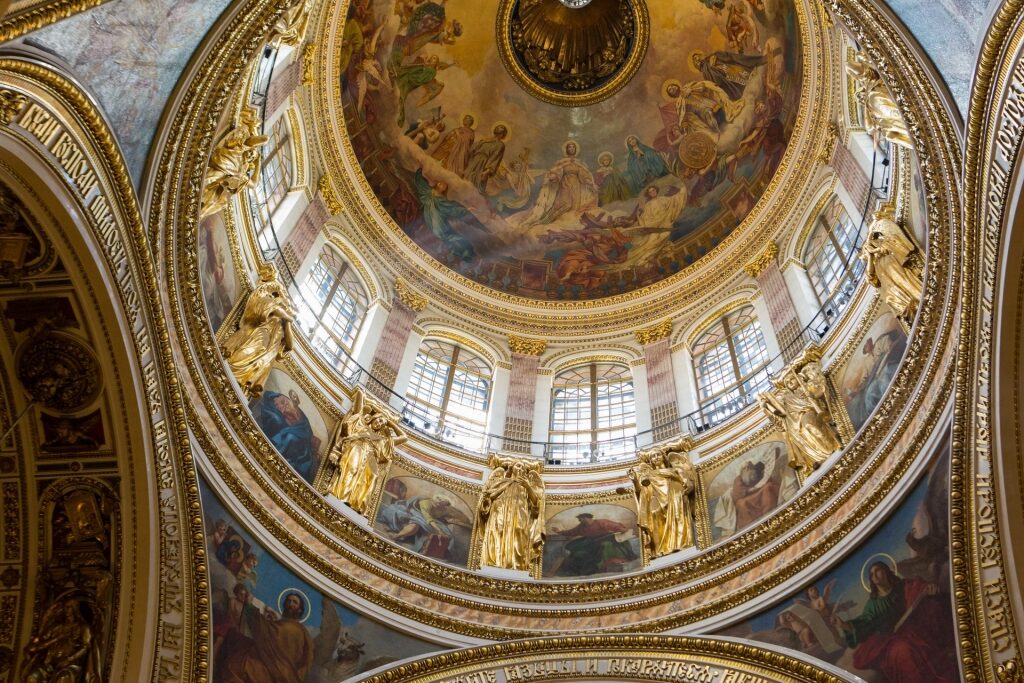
[(759, 363), (560, 437), (845, 264), (342, 274), (277, 157)]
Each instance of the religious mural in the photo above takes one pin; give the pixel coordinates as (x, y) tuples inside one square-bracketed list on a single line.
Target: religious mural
[(64, 434), (885, 613), (866, 376), (216, 270), (269, 626), (591, 540), (426, 518), (290, 419), (745, 489), (558, 202)]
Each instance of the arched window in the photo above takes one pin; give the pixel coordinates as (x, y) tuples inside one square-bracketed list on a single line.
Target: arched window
[(593, 413), (831, 256), (450, 393), (275, 179), (334, 304), (730, 361)]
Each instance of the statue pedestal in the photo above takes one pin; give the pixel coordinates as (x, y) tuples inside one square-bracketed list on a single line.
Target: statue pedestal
[(497, 573), (348, 512)]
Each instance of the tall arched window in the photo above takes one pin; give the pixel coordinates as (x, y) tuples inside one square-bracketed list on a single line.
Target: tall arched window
[(730, 361), (333, 308), (450, 393), (275, 179), (593, 413), (831, 256)]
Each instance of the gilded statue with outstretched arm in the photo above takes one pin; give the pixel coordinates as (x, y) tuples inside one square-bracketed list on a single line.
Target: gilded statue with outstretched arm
[(893, 266), (363, 449), (799, 406), (264, 334), (510, 515), (882, 117), (664, 483), (234, 164)]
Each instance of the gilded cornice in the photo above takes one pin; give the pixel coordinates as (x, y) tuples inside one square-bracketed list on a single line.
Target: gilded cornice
[(990, 646), (717, 580), (326, 187), (527, 347), (767, 257), (409, 297), (654, 333), (308, 57)]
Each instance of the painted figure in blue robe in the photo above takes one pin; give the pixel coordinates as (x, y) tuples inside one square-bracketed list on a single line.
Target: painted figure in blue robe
[(643, 164), (439, 213), (428, 524), (289, 430)]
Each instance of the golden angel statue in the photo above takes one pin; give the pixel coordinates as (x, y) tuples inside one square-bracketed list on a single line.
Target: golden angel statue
[(264, 334), (882, 117), (363, 449), (799, 406), (663, 483), (894, 266), (510, 515), (234, 164), (290, 27), (65, 648)]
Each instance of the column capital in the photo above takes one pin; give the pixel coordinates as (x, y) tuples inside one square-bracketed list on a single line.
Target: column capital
[(654, 333), (526, 346), (326, 187), (757, 266), (409, 297)]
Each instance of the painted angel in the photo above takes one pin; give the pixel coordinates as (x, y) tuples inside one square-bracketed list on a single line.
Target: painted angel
[(370, 73)]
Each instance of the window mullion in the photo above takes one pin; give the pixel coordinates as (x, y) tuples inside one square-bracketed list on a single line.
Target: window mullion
[(449, 380)]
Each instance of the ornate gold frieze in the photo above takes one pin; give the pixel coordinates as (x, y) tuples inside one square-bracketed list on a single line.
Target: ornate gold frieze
[(334, 207), (409, 297), (308, 57), (526, 346), (654, 333), (767, 257)]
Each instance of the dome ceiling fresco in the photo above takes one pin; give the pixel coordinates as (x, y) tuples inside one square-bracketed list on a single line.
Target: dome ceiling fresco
[(503, 182)]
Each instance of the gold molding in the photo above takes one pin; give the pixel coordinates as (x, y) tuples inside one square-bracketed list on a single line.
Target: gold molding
[(17, 24), (326, 187), (308, 63), (408, 297), (654, 333), (767, 257), (527, 347)]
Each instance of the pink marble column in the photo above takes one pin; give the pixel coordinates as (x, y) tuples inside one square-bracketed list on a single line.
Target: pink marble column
[(661, 380), (522, 393), (391, 346), (302, 236), (283, 85), (781, 309), (850, 173)]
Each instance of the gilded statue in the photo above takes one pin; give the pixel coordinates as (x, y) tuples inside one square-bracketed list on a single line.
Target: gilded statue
[(663, 483), (363, 449), (64, 649), (234, 164), (290, 27), (882, 117), (893, 266), (511, 515), (264, 334), (799, 406)]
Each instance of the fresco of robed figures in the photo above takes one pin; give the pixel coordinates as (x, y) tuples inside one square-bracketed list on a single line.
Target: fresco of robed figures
[(554, 202), (591, 540), (269, 626), (426, 518), (885, 613), (291, 421), (216, 270), (748, 488), (864, 380)]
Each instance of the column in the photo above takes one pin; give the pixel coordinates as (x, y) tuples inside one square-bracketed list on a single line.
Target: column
[(781, 309), (851, 174), (522, 392), (300, 238), (283, 85), (661, 381), (391, 348)]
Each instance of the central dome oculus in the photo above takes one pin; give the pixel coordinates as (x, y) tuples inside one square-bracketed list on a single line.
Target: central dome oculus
[(572, 53)]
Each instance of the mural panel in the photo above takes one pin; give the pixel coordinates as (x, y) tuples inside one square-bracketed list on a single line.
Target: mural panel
[(591, 540), (556, 202), (885, 613), (217, 270), (866, 376), (269, 625), (292, 422), (745, 489), (426, 518)]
